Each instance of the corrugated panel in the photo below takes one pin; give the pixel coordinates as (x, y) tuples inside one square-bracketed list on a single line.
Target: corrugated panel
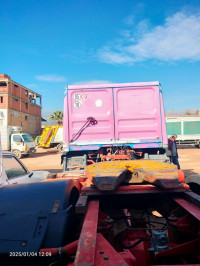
[(173, 128), (192, 127), (97, 103), (137, 114)]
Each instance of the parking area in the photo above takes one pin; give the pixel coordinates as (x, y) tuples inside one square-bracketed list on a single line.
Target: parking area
[(44, 159), (189, 159), (50, 160)]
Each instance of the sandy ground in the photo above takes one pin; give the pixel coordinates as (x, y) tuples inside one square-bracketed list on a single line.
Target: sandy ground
[(189, 159), (44, 159), (50, 159)]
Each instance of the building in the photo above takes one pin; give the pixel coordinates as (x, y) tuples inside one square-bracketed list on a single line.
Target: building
[(19, 106)]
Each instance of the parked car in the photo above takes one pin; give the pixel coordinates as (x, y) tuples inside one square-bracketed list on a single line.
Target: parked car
[(15, 172)]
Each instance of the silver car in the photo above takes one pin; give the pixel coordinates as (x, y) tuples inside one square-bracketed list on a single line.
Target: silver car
[(15, 172)]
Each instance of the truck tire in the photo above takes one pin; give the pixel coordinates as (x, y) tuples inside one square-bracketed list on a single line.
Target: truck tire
[(60, 147), (17, 153), (197, 145)]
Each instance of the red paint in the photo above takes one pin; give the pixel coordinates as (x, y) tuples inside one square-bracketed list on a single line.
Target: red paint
[(191, 208), (188, 248), (106, 255), (68, 249), (141, 189), (87, 242)]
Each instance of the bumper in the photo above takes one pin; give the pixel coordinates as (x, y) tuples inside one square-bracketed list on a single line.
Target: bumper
[(32, 150)]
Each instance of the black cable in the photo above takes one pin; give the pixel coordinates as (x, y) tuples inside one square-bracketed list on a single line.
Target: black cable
[(133, 245), (152, 222), (89, 120)]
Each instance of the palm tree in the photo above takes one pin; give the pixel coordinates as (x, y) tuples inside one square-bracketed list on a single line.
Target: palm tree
[(57, 116), (188, 112)]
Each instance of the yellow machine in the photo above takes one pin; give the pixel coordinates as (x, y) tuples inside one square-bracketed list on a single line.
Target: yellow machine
[(51, 136)]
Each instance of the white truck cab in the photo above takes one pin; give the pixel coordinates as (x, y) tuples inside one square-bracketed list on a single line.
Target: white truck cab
[(13, 139), (22, 144)]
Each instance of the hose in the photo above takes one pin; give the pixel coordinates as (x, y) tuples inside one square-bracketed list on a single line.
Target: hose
[(89, 120), (135, 244)]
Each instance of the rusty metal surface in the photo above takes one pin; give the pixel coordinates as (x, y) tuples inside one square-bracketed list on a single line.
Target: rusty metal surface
[(130, 189), (109, 182), (106, 255), (81, 205), (55, 207), (133, 171), (85, 254)]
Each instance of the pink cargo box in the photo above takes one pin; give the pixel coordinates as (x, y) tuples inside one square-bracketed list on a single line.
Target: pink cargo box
[(130, 114)]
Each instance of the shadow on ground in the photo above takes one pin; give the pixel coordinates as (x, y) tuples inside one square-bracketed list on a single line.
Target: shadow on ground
[(52, 171), (189, 172), (45, 153), (182, 147)]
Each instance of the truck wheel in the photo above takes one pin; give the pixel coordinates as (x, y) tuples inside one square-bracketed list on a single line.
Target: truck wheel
[(197, 144), (17, 154), (60, 147)]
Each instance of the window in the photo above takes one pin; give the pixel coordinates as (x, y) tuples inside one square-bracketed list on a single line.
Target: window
[(17, 138), (26, 117), (12, 167), (16, 85), (1, 99), (3, 84), (26, 92), (26, 105), (27, 137), (16, 100)]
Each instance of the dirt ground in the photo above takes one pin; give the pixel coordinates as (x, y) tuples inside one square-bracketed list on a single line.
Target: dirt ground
[(189, 159), (44, 159), (50, 160)]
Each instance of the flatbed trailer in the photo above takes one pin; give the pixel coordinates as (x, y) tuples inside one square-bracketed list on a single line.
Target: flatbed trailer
[(94, 249), (72, 221), (135, 225)]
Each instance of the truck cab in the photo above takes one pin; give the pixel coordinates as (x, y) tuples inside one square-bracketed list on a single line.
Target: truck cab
[(22, 144), (15, 140)]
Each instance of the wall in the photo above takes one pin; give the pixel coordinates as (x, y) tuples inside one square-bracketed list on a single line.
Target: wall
[(3, 117), (29, 123), (3, 98)]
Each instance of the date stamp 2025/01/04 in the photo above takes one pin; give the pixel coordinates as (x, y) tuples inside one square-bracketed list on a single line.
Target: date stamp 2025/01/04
[(30, 254)]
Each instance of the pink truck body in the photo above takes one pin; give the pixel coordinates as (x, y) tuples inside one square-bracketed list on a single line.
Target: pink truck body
[(130, 114)]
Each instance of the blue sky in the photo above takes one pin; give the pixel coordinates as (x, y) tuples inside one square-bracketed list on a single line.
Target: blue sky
[(47, 44)]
